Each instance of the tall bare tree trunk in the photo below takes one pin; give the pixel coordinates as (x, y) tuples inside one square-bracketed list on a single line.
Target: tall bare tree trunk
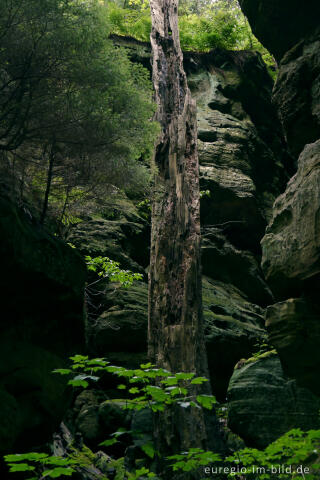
[(176, 339)]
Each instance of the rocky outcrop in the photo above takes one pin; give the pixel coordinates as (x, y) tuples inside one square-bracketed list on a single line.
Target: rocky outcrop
[(291, 255), (291, 244), (42, 287), (294, 330), (233, 329), (281, 25), (297, 93), (263, 403), (119, 232)]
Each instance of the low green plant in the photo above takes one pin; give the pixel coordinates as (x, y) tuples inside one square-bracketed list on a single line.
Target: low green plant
[(147, 386), (40, 464), (291, 456), (294, 455), (193, 459)]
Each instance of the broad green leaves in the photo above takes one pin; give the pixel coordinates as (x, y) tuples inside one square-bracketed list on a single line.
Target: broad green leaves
[(294, 449), (193, 459), (107, 268), (49, 466), (147, 386)]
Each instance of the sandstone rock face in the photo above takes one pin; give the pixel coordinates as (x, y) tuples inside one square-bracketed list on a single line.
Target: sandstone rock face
[(297, 93), (122, 324), (233, 329), (224, 262), (294, 330), (42, 286), (263, 404), (119, 233), (240, 164), (279, 25), (291, 244)]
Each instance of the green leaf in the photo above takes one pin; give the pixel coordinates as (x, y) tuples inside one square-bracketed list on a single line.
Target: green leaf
[(121, 387), (120, 432), (206, 401), (62, 371), (170, 381), (20, 467), (19, 457), (58, 472), (148, 449), (78, 383), (198, 380), (156, 393), (108, 443), (184, 376), (97, 361), (79, 358), (134, 390)]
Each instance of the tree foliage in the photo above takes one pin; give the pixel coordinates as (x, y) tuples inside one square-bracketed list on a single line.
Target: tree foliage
[(74, 110), (204, 24)]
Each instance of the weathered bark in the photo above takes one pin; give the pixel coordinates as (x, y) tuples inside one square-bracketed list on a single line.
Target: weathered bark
[(175, 337)]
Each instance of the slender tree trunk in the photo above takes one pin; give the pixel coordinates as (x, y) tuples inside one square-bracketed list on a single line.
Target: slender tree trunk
[(175, 337), (48, 186)]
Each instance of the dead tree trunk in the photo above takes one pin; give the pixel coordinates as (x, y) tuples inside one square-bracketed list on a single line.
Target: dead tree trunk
[(175, 337)]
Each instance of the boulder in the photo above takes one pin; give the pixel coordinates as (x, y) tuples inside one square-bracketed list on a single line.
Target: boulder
[(263, 403), (291, 244), (279, 25), (294, 329)]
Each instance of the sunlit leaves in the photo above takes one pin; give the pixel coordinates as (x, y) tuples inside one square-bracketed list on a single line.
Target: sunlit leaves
[(192, 459), (147, 386), (106, 268), (54, 466)]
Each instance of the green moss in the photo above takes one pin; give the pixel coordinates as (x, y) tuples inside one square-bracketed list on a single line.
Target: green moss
[(257, 357)]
